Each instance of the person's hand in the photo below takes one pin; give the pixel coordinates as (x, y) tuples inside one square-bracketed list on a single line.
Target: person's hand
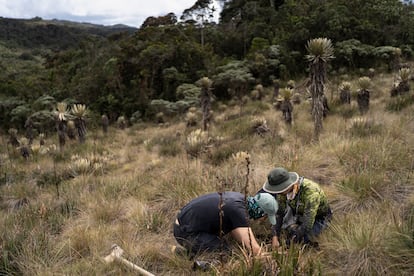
[(275, 242), (264, 255), (299, 234)]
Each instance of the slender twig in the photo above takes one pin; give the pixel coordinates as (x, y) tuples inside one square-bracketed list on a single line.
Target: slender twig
[(246, 187), (221, 214)]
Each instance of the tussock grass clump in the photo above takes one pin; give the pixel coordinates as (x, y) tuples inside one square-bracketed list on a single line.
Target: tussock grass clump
[(362, 189), (185, 183), (398, 103), (103, 211), (196, 142), (81, 241), (346, 111), (172, 148), (374, 169), (297, 260), (319, 161), (255, 108), (52, 177), (91, 164), (27, 237), (303, 131), (168, 145), (221, 152), (401, 243), (358, 250), (374, 155), (363, 127), (238, 128)]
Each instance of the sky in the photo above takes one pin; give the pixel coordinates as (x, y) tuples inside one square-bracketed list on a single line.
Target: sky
[(103, 12)]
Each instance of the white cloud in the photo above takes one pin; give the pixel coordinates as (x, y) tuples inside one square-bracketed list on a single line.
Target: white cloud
[(107, 12)]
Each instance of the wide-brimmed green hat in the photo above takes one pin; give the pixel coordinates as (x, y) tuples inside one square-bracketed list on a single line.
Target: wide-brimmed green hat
[(279, 180)]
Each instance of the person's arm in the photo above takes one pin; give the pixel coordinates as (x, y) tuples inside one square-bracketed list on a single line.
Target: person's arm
[(276, 229), (308, 218), (245, 236), (275, 237)]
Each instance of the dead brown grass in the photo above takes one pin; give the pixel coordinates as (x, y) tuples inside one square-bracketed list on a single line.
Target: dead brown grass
[(134, 201)]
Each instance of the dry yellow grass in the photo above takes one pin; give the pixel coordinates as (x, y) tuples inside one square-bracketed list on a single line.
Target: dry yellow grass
[(134, 200)]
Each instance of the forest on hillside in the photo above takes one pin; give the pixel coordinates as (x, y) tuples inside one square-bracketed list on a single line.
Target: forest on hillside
[(156, 68)]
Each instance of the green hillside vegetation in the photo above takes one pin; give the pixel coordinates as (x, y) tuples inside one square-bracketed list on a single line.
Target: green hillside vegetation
[(52, 34), (107, 133), (122, 73)]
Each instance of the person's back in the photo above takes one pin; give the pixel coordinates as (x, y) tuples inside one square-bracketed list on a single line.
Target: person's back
[(202, 214), (202, 223)]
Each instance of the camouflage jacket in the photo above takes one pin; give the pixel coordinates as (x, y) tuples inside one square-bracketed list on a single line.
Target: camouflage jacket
[(309, 204)]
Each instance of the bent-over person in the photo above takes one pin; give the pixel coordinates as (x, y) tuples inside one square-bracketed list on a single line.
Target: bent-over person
[(303, 211), (201, 224)]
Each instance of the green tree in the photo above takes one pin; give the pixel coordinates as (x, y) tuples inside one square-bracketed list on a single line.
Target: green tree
[(233, 79), (153, 57), (203, 12)]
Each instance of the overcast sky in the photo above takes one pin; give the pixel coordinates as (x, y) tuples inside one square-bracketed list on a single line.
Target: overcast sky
[(104, 12)]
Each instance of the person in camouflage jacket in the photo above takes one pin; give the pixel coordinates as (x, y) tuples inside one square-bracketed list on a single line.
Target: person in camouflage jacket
[(303, 206)]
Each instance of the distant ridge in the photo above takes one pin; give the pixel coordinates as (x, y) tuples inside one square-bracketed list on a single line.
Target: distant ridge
[(87, 24), (55, 34)]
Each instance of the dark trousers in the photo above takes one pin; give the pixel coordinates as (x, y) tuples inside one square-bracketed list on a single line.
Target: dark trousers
[(317, 228), (308, 237), (198, 242)]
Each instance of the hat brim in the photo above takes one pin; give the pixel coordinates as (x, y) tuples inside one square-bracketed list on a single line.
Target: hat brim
[(282, 187), (272, 219)]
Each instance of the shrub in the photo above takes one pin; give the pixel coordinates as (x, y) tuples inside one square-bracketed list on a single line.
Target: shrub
[(136, 117), (43, 121)]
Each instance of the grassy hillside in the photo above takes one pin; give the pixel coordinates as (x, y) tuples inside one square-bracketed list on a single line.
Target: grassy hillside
[(62, 210)]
